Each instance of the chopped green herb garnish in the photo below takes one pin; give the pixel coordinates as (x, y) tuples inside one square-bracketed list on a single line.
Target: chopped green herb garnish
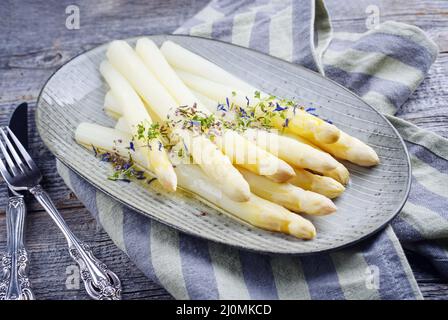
[(124, 170), (148, 132)]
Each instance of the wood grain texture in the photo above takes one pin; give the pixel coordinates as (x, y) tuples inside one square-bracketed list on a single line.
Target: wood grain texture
[(34, 42)]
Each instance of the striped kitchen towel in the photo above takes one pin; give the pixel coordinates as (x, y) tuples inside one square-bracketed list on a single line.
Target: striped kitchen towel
[(384, 66)]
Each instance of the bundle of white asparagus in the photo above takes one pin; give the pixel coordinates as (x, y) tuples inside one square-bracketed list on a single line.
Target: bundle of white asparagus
[(263, 160)]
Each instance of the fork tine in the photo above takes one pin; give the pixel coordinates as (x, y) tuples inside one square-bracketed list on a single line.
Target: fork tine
[(4, 172), (11, 164), (22, 150), (13, 151)]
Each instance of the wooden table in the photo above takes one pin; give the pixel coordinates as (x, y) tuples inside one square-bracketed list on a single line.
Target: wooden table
[(34, 42)]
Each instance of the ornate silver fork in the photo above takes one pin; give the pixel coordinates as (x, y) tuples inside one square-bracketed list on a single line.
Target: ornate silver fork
[(15, 284), (23, 174)]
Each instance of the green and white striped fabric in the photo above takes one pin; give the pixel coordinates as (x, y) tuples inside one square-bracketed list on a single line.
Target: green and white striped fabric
[(384, 66)]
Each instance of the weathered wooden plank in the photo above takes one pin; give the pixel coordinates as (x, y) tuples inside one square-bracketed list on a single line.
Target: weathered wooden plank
[(428, 106), (432, 287), (33, 47), (429, 15)]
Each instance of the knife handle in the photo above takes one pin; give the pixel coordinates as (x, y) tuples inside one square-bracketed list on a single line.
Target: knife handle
[(15, 284)]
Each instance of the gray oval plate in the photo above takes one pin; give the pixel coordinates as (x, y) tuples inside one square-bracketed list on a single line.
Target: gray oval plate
[(374, 196)]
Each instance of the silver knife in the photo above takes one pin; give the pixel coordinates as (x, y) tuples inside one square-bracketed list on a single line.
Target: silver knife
[(15, 284)]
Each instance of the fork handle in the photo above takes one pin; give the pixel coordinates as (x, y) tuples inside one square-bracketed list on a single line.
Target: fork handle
[(15, 284), (99, 281)]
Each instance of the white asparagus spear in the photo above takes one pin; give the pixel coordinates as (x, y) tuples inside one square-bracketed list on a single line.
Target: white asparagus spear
[(300, 123), (216, 165), (288, 195), (284, 194), (250, 156), (212, 89), (210, 104), (111, 106), (346, 148), (159, 100), (156, 63), (259, 161), (136, 115), (151, 56), (323, 185), (306, 158), (113, 109), (294, 152), (122, 125), (208, 157), (257, 211), (194, 65), (126, 61), (254, 159), (183, 59), (326, 186), (340, 173), (351, 149), (108, 139)]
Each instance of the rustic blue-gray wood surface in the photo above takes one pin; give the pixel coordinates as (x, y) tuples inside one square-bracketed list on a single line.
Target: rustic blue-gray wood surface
[(34, 42)]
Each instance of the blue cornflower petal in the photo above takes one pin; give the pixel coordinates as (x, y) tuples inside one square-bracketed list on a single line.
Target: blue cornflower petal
[(221, 107), (243, 112), (105, 157), (279, 108)]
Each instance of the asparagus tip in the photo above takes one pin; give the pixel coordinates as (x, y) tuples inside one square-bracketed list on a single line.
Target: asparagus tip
[(302, 228)]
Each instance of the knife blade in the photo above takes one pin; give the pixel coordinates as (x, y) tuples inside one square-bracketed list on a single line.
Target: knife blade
[(18, 123)]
